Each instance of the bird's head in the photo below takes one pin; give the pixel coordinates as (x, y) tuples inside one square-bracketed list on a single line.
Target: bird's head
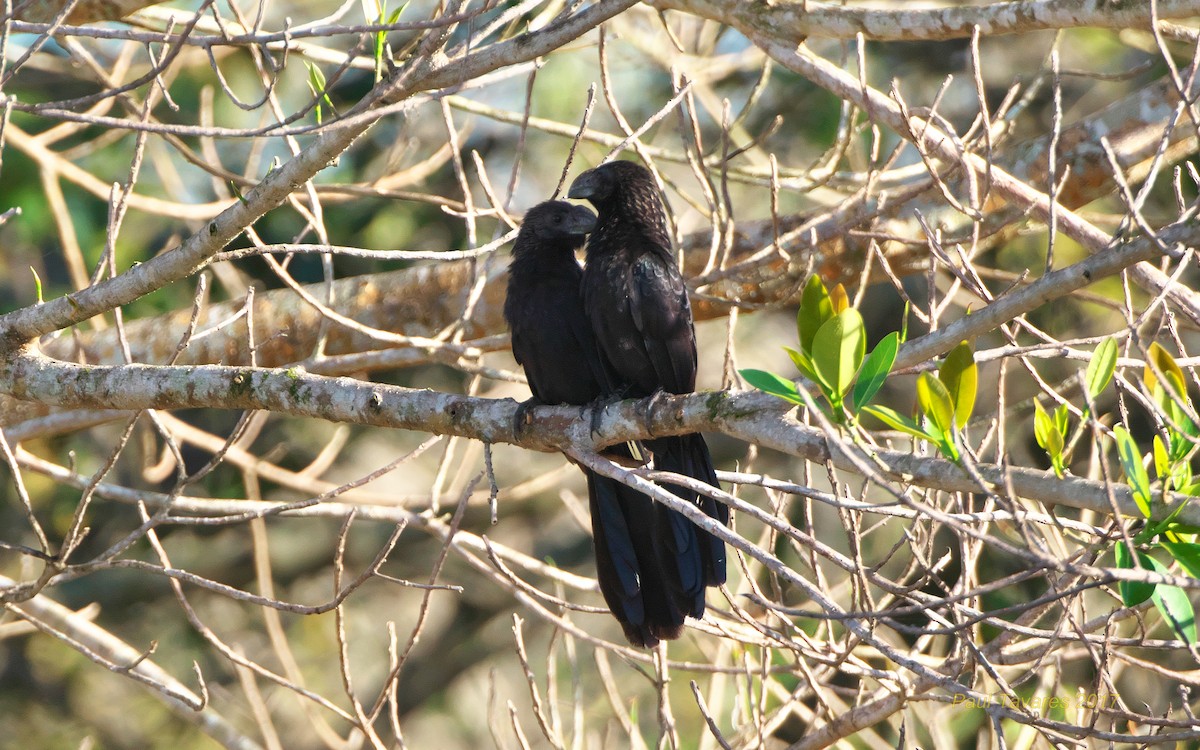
[(601, 184), (626, 195), (558, 220)]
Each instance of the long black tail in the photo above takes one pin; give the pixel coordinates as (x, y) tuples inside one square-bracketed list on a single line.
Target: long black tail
[(652, 563), (641, 592), (705, 566)]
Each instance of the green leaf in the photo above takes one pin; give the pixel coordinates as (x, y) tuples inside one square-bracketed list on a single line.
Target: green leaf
[(838, 350), (875, 370), (237, 192), (815, 309), (1162, 463), (1191, 429), (1175, 607), (1161, 362), (769, 382), (37, 284), (1048, 434), (1179, 425), (1043, 426), (1172, 531), (1181, 474), (1046, 431), (380, 42), (935, 402), (960, 375), (1171, 400), (1102, 367), (1061, 416), (805, 366), (381, 37), (1187, 554), (1170, 467), (1135, 473), (896, 420), (316, 82), (1132, 593), (1179, 446)]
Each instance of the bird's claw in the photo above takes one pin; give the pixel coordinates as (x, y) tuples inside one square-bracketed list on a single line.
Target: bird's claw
[(651, 405), (521, 416), (637, 454), (601, 403), (597, 408)]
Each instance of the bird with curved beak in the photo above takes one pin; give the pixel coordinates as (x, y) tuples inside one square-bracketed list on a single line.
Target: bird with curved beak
[(637, 304)]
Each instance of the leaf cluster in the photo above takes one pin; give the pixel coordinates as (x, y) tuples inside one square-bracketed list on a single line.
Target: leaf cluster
[(1162, 529), (832, 355)]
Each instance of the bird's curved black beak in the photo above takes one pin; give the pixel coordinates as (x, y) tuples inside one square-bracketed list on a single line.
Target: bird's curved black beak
[(581, 220), (585, 186)]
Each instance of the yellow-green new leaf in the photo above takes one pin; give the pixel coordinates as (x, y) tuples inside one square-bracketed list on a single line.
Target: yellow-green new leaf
[(1162, 463), (935, 402), (896, 420), (1102, 367), (1181, 474), (1046, 432), (838, 350), (37, 284), (805, 366), (1060, 418), (815, 310), (1161, 362), (316, 83), (960, 375)]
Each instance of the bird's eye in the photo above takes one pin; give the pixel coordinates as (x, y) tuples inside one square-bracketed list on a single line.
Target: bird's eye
[(558, 218)]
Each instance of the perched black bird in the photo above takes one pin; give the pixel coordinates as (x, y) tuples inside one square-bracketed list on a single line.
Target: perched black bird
[(552, 339), (637, 304)]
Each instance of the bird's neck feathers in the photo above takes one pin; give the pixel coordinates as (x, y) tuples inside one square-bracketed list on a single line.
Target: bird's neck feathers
[(634, 221), (542, 258)]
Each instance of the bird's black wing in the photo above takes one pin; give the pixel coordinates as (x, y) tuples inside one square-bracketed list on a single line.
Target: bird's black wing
[(658, 303)]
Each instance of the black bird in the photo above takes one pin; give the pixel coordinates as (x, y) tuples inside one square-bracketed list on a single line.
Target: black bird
[(636, 301), (552, 339)]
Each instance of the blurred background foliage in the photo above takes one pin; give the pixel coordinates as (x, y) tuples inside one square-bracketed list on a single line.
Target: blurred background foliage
[(462, 676)]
